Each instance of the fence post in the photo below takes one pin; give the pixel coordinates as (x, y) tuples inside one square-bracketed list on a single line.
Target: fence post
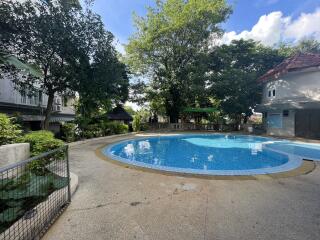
[(68, 173)]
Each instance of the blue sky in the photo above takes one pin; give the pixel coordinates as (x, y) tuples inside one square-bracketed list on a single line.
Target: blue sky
[(278, 19), (247, 12)]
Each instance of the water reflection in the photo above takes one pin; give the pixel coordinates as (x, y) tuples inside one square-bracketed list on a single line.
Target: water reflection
[(210, 158), (129, 150), (144, 145), (225, 143)]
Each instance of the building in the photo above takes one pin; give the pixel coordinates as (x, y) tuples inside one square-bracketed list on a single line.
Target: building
[(31, 108), (120, 114), (291, 97)]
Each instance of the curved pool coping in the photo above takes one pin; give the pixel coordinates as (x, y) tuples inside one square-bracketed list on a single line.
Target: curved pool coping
[(293, 163)]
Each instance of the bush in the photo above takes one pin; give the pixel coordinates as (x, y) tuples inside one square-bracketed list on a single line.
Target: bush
[(136, 124), (41, 141), (103, 128), (9, 132), (92, 131), (115, 128), (69, 132)]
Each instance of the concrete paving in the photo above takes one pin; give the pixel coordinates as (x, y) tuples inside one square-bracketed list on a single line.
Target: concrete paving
[(114, 202)]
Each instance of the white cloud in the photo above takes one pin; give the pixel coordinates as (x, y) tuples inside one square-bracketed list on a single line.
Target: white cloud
[(306, 25), (274, 27)]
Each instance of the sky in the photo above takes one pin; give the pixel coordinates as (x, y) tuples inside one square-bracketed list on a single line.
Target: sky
[(268, 21)]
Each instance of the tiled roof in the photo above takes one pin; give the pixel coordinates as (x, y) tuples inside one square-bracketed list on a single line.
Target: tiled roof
[(295, 63), (118, 113)]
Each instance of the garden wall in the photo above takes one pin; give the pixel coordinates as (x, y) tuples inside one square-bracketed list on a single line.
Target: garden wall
[(13, 153)]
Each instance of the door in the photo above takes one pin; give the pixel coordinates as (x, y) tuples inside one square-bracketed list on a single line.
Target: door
[(307, 123)]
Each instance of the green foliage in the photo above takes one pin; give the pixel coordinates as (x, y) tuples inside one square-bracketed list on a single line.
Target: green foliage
[(170, 44), (235, 70), (69, 132), (72, 48), (130, 110), (92, 131), (45, 33), (9, 131), (41, 141), (303, 46), (116, 127), (104, 128), (23, 193), (136, 124), (6, 59)]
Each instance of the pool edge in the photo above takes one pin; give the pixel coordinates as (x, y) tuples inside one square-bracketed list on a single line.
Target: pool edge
[(306, 167)]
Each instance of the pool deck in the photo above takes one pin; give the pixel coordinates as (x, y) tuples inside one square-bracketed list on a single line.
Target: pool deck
[(116, 202)]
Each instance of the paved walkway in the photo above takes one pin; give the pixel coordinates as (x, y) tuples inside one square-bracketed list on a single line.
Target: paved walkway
[(114, 202)]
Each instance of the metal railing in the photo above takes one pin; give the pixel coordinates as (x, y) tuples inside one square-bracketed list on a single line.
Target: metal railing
[(192, 126), (33, 193)]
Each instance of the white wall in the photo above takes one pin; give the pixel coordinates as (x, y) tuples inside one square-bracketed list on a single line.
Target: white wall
[(288, 124), (8, 94), (294, 86), (13, 153)]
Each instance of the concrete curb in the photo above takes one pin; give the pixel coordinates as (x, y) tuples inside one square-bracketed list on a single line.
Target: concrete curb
[(74, 182)]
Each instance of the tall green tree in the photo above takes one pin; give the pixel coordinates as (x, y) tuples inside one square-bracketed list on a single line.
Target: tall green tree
[(170, 45), (235, 69), (44, 33), (102, 79), (70, 45)]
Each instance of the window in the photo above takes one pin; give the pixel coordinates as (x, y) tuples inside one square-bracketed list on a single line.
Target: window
[(23, 97), (275, 120), (40, 98), (285, 113), (30, 98), (36, 98), (271, 93), (65, 101)]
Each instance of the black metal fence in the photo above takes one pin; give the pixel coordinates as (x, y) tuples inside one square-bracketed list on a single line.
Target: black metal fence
[(33, 193)]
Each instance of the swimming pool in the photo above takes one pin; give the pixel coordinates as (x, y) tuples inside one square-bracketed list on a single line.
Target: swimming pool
[(213, 154)]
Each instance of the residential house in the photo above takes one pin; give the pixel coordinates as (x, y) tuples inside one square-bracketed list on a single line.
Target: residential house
[(31, 108), (291, 97)]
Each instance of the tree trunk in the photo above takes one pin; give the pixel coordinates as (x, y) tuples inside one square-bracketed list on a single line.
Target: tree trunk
[(45, 125), (173, 117)]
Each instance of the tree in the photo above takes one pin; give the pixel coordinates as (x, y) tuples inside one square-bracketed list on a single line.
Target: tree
[(170, 47), (45, 33), (103, 81), (304, 46), (235, 70), (71, 47), (8, 61), (9, 131)]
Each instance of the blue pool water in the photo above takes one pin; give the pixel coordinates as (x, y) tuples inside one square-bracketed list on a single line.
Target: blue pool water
[(213, 154)]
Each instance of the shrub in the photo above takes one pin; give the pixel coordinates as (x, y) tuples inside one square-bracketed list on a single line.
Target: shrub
[(69, 132), (136, 124), (41, 141), (9, 132), (92, 131), (116, 127), (144, 127)]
